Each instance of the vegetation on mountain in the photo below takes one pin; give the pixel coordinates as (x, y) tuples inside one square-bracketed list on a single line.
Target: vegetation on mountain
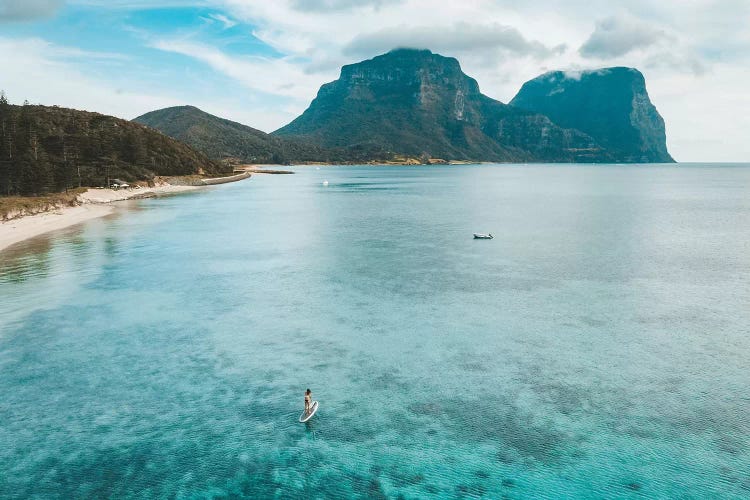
[(610, 104), (417, 103), (412, 106), (222, 139), (50, 149)]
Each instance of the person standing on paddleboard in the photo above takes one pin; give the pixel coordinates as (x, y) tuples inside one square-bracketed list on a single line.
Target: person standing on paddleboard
[(308, 401)]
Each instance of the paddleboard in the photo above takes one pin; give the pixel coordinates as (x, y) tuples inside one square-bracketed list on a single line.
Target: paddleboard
[(313, 409)]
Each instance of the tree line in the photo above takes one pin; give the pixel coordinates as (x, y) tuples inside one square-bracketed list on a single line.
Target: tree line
[(50, 149), (25, 168)]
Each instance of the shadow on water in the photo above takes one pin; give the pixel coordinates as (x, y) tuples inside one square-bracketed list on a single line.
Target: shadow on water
[(110, 246), (23, 262), (32, 258)]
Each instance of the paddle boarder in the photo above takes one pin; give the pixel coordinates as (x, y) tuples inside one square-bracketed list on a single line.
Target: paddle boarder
[(308, 401)]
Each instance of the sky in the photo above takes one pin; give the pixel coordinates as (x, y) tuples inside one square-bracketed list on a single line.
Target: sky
[(261, 62)]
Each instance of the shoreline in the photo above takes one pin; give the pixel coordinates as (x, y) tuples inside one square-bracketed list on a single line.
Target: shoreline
[(30, 226), (92, 204)]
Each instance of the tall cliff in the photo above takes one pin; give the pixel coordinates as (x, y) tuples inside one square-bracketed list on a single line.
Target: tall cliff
[(415, 102), (611, 105)]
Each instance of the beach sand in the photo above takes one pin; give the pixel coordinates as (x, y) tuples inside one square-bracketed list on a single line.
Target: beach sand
[(21, 229), (110, 195), (94, 203)]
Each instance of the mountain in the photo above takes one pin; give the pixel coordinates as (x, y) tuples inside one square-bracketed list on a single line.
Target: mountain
[(414, 103), (46, 149), (611, 105), (221, 139), (417, 103)]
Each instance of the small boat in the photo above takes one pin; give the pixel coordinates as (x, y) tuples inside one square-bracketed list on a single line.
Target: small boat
[(307, 416), (480, 236)]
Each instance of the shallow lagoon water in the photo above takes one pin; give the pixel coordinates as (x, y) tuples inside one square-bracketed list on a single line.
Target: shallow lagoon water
[(598, 347)]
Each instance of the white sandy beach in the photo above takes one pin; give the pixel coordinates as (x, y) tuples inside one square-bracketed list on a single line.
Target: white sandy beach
[(110, 195), (94, 203), (16, 230)]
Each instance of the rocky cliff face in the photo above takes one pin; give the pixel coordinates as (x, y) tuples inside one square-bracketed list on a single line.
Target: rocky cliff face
[(415, 102), (611, 105)]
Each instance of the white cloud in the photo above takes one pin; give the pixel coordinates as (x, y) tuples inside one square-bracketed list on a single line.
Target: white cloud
[(619, 35), (49, 76), (281, 76), (331, 5), (460, 38), (132, 5), (52, 75), (707, 117), (223, 20)]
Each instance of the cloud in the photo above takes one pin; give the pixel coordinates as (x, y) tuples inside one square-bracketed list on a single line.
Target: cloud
[(135, 5), (224, 20), (703, 122), (73, 87), (277, 76), (28, 10), (675, 62), (617, 36), (461, 37), (626, 38), (338, 5)]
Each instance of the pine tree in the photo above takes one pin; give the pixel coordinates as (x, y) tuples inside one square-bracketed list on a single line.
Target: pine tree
[(65, 173), (4, 131), (22, 177), (7, 126)]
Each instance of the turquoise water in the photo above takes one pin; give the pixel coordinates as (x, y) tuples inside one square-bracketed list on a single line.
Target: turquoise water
[(598, 347)]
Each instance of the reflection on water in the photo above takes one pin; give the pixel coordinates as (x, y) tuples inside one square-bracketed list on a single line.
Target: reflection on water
[(597, 348), (44, 271), (110, 247), (20, 264)]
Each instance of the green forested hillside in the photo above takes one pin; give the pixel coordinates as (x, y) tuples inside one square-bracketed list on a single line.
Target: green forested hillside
[(49, 149), (221, 139)]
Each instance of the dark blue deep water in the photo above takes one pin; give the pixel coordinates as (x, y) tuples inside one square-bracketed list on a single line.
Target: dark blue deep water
[(598, 347)]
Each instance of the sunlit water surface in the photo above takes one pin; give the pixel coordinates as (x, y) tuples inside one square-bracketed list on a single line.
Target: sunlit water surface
[(598, 347)]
